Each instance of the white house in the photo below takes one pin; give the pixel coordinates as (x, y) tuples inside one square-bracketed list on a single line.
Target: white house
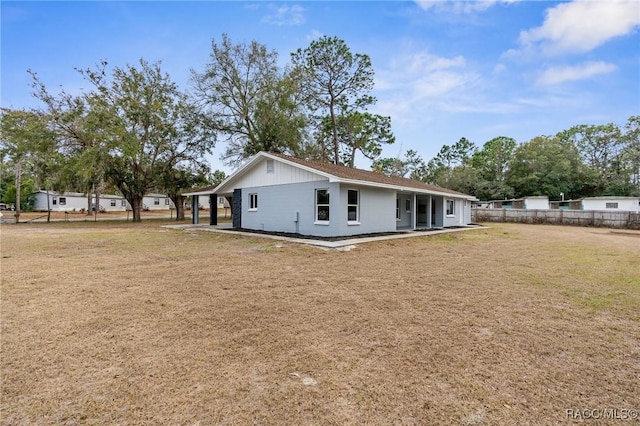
[(157, 202), (278, 193), (631, 204), (76, 201), (538, 202)]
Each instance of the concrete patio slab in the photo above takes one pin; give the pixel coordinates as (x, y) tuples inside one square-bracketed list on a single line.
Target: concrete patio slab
[(226, 228)]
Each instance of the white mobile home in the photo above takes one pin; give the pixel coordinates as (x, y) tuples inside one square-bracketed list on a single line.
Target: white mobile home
[(157, 202), (76, 201), (528, 203), (631, 204), (278, 193)]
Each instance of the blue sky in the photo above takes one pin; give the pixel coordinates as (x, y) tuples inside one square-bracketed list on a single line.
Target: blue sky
[(443, 69)]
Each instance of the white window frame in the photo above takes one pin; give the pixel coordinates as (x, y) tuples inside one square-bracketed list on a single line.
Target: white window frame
[(123, 203), (156, 201), (318, 220), (112, 203), (166, 201), (54, 201), (271, 166), (612, 205), (452, 212), (62, 201), (355, 221), (253, 202)]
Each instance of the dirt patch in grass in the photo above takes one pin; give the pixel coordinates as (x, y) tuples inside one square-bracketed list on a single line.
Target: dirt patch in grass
[(136, 324)]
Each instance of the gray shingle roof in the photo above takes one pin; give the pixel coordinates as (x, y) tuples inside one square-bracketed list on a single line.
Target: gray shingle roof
[(366, 175)]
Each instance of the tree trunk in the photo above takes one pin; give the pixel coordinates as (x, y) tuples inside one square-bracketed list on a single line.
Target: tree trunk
[(89, 198), (136, 206), (48, 207), (334, 135), (18, 183), (178, 201), (95, 214)]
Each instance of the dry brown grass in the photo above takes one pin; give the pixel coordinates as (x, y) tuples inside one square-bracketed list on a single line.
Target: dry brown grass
[(136, 324)]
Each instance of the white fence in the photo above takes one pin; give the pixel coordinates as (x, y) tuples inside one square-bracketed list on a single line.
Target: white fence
[(597, 218)]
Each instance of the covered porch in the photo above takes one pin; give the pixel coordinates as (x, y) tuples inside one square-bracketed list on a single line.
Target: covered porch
[(416, 211)]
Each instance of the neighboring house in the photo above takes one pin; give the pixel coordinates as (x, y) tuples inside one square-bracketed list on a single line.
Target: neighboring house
[(157, 202), (278, 193), (482, 204), (528, 203), (76, 201), (565, 205), (631, 204)]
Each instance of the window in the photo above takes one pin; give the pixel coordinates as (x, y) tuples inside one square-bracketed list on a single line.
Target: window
[(221, 200), (612, 205), (450, 208), (253, 201), (156, 201), (322, 205), (63, 201), (55, 201), (166, 201), (113, 203), (407, 205), (123, 203), (397, 208), (352, 206), (270, 166)]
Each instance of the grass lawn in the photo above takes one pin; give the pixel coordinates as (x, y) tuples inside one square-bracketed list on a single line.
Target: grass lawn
[(121, 323)]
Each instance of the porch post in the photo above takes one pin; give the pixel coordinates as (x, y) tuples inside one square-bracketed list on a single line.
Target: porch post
[(195, 213), (414, 211), (213, 209)]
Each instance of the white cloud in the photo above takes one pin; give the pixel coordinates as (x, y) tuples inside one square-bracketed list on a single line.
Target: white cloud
[(557, 75), (583, 25), (460, 6), (415, 85), (285, 15)]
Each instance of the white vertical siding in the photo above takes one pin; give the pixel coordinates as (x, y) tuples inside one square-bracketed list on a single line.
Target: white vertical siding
[(282, 174)]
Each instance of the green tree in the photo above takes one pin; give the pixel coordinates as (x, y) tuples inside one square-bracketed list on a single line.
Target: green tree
[(599, 147), (630, 155), (335, 84), (493, 161), (410, 165), (138, 127), (82, 141), (27, 144), (364, 133), (546, 166), (252, 103)]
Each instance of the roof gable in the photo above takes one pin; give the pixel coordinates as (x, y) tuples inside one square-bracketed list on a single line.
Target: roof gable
[(253, 173), (354, 174)]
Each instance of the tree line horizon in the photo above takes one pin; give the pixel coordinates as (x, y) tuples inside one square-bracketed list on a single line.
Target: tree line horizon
[(136, 132)]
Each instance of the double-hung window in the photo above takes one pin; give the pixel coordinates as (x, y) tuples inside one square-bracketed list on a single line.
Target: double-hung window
[(63, 201), (611, 205), (112, 203), (253, 202), (156, 201), (451, 208), (322, 205), (353, 204)]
